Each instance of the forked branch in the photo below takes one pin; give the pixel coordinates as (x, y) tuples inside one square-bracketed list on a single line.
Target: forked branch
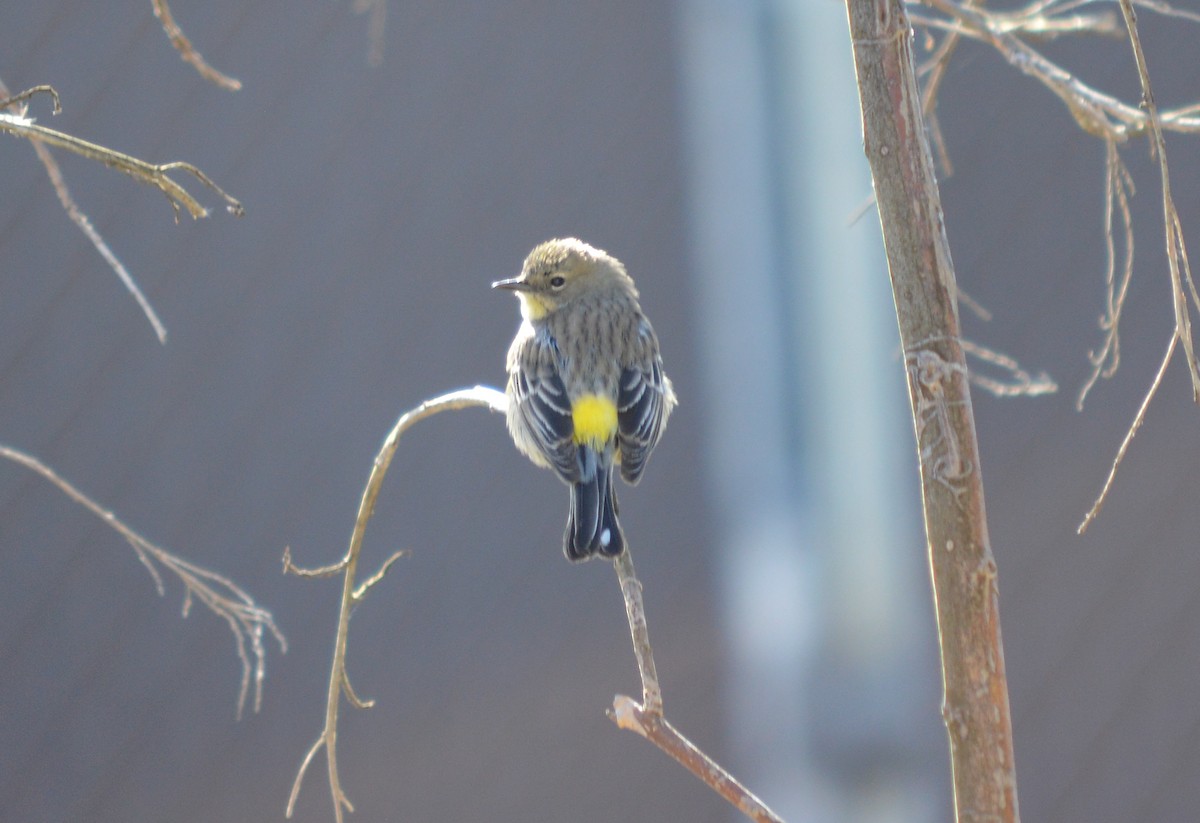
[(17, 106), (353, 593), (646, 719), (154, 174), (1180, 270), (246, 619), (1112, 120)]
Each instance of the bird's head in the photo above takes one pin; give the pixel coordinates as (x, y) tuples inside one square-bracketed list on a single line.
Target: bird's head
[(559, 272)]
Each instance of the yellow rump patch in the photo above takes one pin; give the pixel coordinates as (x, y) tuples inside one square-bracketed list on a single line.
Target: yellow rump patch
[(595, 419)]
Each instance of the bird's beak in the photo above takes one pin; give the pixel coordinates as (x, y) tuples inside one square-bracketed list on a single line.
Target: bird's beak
[(511, 284)]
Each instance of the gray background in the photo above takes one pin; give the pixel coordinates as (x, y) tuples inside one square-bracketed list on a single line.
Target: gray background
[(381, 202)]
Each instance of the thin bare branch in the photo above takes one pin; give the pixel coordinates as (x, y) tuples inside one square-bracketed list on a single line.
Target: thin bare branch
[(1174, 234), (974, 306), (323, 571), (1024, 24), (187, 51), (245, 618), (936, 67), (339, 682), (76, 213), (635, 612), (304, 764), (1167, 10), (1113, 121), (1019, 382), (1138, 419), (153, 174), (648, 720), (367, 584), (16, 100), (1118, 189), (627, 714), (85, 225), (1097, 113), (355, 701)]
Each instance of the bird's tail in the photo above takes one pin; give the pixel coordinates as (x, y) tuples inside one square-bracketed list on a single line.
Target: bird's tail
[(592, 525)]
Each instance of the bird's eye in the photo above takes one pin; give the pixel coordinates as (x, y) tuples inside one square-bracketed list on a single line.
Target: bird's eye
[(558, 282)]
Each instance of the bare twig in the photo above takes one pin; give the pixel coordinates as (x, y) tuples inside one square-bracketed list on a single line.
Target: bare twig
[(91, 233), (976, 705), (339, 683), (16, 101), (1138, 419), (187, 51), (1118, 189), (245, 618), (974, 306), (1167, 10), (322, 571), (648, 720), (153, 174), (635, 612), (1177, 261), (1019, 383), (76, 214), (1113, 121), (1096, 112), (936, 67), (1029, 22)]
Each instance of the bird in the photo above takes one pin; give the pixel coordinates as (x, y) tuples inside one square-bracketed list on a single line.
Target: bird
[(586, 388)]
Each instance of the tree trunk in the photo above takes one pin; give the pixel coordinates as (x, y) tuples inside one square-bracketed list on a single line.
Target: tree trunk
[(975, 708)]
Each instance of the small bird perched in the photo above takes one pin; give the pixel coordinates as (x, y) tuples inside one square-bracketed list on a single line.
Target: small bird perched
[(586, 389)]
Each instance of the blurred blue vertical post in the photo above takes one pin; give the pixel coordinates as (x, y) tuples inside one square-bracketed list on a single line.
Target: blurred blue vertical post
[(833, 690)]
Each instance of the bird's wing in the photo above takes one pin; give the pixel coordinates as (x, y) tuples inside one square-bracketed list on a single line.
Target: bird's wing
[(643, 399), (542, 402)]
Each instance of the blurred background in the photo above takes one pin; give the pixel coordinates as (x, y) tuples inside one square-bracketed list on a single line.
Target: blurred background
[(714, 147)]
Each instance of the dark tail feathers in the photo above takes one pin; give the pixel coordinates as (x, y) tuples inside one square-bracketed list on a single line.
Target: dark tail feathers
[(592, 526)]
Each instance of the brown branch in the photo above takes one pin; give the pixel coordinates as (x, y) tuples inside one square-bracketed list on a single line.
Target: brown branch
[(1177, 264), (936, 68), (150, 173), (339, 682), (1017, 383), (187, 51), (1176, 249), (976, 706), (77, 215), (648, 720), (1096, 112), (1118, 189), (1113, 121), (19, 102), (245, 618), (1138, 419)]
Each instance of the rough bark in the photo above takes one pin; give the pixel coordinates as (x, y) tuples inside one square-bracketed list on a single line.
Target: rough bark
[(975, 709)]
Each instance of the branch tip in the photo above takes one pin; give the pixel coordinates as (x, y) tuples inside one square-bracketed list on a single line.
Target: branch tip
[(355, 701), (30, 93), (219, 594), (366, 585)]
